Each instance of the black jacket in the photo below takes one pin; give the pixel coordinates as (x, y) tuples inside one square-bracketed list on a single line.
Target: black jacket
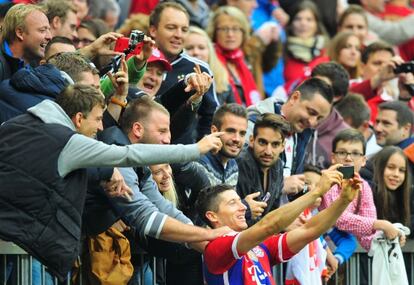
[(8, 64), (182, 66), (39, 210), (251, 179)]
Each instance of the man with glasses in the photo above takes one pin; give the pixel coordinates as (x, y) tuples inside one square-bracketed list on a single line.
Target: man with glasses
[(360, 218)]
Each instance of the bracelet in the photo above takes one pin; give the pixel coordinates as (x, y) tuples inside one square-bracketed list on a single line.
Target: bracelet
[(119, 102)]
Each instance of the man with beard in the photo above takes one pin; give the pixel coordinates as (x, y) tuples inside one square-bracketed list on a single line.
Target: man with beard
[(260, 169), (307, 106), (211, 170), (220, 168)]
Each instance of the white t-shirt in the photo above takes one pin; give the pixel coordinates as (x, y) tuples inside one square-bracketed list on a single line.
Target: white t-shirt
[(290, 152)]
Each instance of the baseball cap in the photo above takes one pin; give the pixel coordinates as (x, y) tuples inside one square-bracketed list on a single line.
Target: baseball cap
[(157, 56)]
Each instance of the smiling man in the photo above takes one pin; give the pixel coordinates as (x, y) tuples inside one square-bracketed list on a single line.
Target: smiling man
[(306, 107), (25, 34), (247, 255), (169, 24), (222, 167)]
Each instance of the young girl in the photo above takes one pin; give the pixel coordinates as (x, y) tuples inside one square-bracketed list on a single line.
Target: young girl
[(392, 184)]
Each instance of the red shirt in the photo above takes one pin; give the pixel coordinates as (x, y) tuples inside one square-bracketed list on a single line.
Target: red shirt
[(225, 265), (296, 70)]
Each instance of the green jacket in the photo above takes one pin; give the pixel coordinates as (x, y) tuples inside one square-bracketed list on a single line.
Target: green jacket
[(134, 76)]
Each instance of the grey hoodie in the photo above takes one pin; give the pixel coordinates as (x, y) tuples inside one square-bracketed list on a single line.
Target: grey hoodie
[(83, 152)]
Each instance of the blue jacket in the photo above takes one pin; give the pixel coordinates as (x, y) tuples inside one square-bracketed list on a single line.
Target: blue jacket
[(28, 87), (345, 244)]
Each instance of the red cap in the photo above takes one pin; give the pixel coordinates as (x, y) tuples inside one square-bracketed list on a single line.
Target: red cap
[(157, 56)]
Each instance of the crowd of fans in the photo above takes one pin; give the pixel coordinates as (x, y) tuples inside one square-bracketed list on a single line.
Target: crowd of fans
[(290, 124)]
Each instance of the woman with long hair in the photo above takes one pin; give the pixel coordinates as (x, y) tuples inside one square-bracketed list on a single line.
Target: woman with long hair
[(229, 29), (162, 175), (198, 44), (392, 185), (305, 45), (354, 19), (345, 49)]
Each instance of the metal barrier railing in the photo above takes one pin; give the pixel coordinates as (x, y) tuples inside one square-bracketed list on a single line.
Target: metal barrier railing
[(353, 267), (24, 263), (22, 267)]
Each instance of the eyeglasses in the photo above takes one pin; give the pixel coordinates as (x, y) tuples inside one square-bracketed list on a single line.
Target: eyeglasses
[(344, 154), (227, 30)]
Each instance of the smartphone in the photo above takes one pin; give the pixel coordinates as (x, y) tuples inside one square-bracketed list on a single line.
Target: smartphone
[(266, 197), (347, 171)]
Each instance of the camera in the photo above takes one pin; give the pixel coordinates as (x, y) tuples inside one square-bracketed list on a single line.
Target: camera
[(128, 46), (132, 45), (406, 67)]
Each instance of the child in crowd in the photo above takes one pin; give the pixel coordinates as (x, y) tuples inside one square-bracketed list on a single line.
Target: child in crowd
[(392, 186), (360, 218), (316, 256)]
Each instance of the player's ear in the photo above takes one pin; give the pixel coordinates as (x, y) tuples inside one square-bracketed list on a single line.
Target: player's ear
[(212, 217)]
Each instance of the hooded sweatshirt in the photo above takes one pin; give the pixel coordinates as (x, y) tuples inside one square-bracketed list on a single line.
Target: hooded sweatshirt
[(60, 175), (83, 152), (27, 88)]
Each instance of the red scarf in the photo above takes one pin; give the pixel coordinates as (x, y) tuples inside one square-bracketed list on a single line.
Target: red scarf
[(236, 57)]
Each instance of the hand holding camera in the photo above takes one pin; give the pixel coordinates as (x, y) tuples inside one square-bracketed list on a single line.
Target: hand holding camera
[(386, 72)]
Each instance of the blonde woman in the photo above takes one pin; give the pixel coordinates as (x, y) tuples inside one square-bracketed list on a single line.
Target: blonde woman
[(198, 44), (229, 29), (162, 175)]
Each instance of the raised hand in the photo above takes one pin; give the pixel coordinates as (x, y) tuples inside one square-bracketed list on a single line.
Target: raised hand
[(199, 82), (120, 79), (103, 44), (211, 142), (148, 46), (330, 177), (351, 187)]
